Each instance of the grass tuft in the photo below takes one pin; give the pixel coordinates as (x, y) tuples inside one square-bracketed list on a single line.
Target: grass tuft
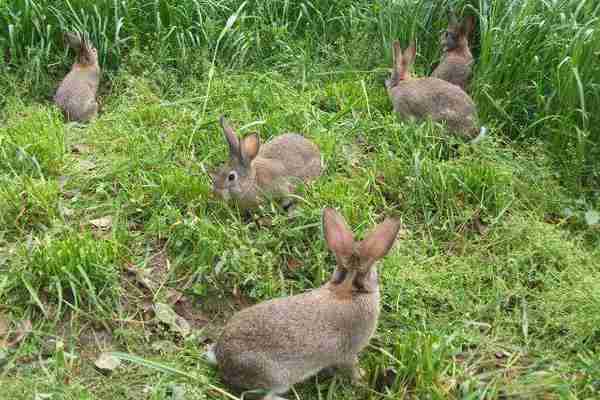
[(491, 290)]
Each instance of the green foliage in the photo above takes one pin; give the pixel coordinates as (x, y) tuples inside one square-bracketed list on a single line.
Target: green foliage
[(491, 291), (536, 73), (76, 269)]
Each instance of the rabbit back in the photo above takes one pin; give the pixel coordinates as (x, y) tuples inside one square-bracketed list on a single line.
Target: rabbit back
[(436, 99), (299, 156), (455, 70), (284, 341), (76, 95)]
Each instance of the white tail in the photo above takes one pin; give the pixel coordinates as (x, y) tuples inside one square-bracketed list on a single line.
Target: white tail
[(210, 355), (482, 134)]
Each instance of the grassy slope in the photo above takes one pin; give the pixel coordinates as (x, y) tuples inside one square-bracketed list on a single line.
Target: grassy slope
[(509, 308)]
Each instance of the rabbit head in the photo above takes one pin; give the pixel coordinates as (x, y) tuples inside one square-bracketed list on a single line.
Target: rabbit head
[(457, 35), (236, 178), (355, 259), (87, 55), (402, 64)]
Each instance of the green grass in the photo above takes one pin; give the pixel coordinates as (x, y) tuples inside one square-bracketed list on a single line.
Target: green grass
[(492, 290)]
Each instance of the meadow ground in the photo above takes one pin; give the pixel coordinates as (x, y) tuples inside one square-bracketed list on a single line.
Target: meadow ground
[(107, 230)]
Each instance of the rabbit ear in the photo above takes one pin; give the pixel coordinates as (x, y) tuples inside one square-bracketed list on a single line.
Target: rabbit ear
[(232, 139), (398, 72), (397, 49), (83, 45), (467, 26), (73, 40), (409, 55), (249, 148), (338, 236), (397, 58), (452, 19), (379, 241)]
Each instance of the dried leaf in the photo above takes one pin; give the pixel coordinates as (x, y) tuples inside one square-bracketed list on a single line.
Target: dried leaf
[(159, 265), (177, 392), (166, 315), (143, 277), (86, 165), (107, 362), (80, 148), (353, 154), (182, 326), (3, 326), (265, 222), (103, 223), (24, 329), (592, 217), (69, 194), (479, 226), (501, 354), (65, 211), (95, 337), (294, 264), (164, 347), (4, 329), (62, 181), (173, 296), (552, 218)]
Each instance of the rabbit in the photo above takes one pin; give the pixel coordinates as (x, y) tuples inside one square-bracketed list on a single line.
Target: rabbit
[(278, 343), (256, 171), (422, 98), (457, 59), (76, 94)]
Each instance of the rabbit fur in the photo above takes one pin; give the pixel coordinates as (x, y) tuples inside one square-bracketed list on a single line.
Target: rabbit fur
[(277, 343), (457, 59), (256, 171), (422, 98), (76, 94)]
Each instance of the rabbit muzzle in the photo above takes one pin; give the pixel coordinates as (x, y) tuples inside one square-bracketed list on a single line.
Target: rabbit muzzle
[(222, 193), (449, 40)]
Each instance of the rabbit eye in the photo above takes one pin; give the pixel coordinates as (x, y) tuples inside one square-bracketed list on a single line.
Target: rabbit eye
[(231, 177)]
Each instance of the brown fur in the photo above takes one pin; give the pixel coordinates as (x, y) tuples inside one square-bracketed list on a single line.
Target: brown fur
[(423, 98), (270, 170), (278, 343), (76, 94), (457, 59)]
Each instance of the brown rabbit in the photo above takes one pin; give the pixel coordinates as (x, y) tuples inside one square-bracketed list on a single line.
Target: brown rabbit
[(457, 60), (422, 98), (271, 170), (278, 343), (76, 95)]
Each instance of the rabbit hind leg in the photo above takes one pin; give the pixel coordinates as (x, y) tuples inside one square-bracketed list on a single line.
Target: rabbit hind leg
[(353, 370)]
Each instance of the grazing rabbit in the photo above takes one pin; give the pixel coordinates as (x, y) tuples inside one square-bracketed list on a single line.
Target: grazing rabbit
[(457, 60), (422, 98), (278, 343), (76, 95), (271, 170)]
